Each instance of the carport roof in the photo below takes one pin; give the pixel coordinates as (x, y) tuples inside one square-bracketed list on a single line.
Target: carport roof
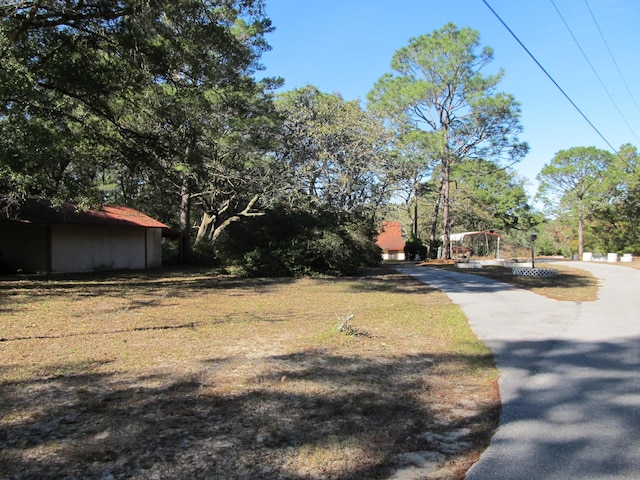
[(459, 237)]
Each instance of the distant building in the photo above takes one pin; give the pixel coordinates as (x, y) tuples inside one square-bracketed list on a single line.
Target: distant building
[(41, 239), (485, 243), (391, 242)]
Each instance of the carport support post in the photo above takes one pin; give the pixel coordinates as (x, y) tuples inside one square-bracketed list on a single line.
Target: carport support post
[(533, 239)]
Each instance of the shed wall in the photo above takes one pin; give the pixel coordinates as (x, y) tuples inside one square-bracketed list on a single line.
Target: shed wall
[(77, 248), (154, 247), (393, 255)]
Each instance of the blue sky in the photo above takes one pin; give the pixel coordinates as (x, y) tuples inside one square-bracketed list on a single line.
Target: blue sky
[(345, 46)]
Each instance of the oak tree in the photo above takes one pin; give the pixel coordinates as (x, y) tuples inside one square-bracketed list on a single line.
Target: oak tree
[(135, 101), (335, 155)]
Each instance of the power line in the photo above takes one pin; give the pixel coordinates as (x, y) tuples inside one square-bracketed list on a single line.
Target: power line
[(594, 70), (613, 58), (549, 76)]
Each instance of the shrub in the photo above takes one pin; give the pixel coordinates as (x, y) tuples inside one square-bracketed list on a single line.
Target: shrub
[(413, 247), (203, 254), (285, 243)]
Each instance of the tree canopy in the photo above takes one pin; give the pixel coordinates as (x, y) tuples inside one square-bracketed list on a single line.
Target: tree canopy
[(592, 196), (487, 197), (437, 88), (617, 225), (122, 101), (334, 153), (575, 182), (157, 105)]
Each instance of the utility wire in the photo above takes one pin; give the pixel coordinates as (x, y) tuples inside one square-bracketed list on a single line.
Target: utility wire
[(549, 76), (613, 58), (594, 71)]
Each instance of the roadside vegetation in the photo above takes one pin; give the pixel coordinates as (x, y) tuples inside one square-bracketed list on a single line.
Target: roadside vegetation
[(570, 284), (194, 374)]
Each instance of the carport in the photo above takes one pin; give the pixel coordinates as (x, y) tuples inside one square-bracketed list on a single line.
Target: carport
[(484, 243)]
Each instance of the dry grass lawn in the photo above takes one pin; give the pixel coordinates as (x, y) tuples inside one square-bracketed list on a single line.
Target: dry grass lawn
[(192, 374), (635, 263), (570, 284)]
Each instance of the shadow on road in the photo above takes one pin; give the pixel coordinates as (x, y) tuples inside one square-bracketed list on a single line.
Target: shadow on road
[(585, 424)]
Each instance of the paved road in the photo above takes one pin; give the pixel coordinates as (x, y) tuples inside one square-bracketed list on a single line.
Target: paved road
[(569, 375)]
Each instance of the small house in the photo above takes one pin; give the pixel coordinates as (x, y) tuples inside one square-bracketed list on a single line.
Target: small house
[(391, 242), (39, 238)]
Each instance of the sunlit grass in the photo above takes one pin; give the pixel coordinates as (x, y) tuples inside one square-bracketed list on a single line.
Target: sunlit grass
[(570, 284)]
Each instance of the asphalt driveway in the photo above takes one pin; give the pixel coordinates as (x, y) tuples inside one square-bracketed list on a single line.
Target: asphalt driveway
[(569, 375)]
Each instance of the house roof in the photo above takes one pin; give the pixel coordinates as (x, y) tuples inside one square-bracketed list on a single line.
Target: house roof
[(390, 236), (42, 212)]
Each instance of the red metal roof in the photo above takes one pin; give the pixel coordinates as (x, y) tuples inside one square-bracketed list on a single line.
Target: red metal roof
[(115, 213), (390, 237), (43, 212)]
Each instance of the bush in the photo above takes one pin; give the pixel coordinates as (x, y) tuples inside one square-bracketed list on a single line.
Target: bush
[(284, 243), (413, 247), (171, 251), (203, 254)]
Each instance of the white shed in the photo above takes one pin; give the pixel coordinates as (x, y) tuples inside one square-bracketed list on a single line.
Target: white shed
[(39, 238)]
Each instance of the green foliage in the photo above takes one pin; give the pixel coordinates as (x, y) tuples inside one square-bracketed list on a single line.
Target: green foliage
[(575, 184), (489, 197), (203, 254), (145, 103), (295, 243), (437, 88), (432, 247), (549, 244), (332, 152), (171, 251), (615, 225), (576, 179), (413, 248)]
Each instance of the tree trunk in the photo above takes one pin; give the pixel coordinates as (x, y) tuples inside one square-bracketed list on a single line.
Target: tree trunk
[(185, 214), (436, 212), (446, 215), (415, 216), (246, 212), (205, 222), (580, 228)]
